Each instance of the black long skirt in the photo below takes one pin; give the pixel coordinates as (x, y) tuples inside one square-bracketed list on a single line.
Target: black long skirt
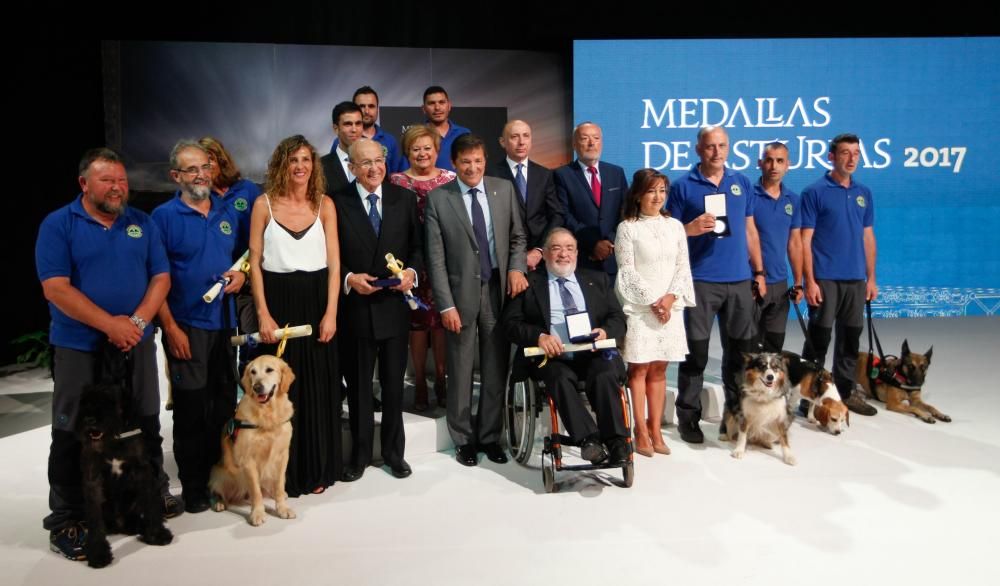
[(315, 459)]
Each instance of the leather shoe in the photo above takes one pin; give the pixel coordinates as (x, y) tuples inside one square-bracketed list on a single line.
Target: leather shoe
[(691, 432), (592, 450), (618, 451), (352, 473), (495, 453), (400, 469), (466, 455)]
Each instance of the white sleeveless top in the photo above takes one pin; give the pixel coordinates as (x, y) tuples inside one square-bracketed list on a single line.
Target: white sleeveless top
[(283, 253)]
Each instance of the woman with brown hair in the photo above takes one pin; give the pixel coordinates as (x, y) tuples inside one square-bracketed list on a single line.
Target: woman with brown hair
[(654, 285), (420, 145), (228, 183), (295, 276)]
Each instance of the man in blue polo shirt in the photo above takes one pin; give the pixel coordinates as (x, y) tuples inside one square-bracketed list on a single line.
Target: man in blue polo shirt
[(104, 273), (366, 99), (437, 109), (200, 234), (723, 251), (778, 218), (838, 259)]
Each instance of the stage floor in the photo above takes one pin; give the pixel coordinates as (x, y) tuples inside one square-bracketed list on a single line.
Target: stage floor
[(891, 500)]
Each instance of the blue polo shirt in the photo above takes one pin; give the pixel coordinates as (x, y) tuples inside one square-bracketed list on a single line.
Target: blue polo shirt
[(240, 197), (395, 159), (444, 155), (716, 260), (774, 219), (200, 249), (111, 266), (839, 216)]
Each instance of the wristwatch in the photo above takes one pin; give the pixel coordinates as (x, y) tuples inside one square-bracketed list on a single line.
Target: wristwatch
[(760, 273), (138, 321)]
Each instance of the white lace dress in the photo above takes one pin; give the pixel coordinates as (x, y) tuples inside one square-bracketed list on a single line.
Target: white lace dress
[(653, 261)]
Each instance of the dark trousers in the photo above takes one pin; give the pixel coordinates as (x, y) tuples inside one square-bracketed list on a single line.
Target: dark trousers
[(357, 362), (204, 391), (842, 308), (602, 388), (494, 354), (733, 304), (74, 370), (773, 317)]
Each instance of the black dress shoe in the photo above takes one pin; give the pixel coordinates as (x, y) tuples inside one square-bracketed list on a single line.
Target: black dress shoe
[(617, 451), (466, 455), (690, 432), (196, 501), (352, 473), (495, 453), (592, 450), (400, 469)]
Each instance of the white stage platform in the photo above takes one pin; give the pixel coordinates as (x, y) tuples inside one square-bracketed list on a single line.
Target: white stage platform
[(892, 500)]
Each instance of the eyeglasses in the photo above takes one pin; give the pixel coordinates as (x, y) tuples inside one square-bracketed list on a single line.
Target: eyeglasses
[(193, 170), (369, 163)]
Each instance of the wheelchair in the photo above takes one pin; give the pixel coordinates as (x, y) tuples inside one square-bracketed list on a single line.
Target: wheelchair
[(523, 403)]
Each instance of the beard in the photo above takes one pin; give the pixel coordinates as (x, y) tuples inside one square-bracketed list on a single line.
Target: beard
[(113, 209), (561, 270), (198, 192)]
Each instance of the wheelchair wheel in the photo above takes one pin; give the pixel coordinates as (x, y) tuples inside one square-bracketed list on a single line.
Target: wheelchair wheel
[(548, 473), (519, 420)]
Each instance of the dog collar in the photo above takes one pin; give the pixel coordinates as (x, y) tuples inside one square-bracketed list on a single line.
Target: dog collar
[(128, 434), (901, 381)]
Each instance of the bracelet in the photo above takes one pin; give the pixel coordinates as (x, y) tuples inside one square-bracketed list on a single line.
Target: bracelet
[(138, 321)]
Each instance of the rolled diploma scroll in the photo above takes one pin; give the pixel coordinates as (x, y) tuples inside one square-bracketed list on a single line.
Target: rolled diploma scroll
[(293, 332), (598, 345), (212, 293), (395, 266)]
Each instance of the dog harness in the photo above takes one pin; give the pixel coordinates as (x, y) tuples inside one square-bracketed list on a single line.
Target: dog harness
[(895, 378), (233, 427)]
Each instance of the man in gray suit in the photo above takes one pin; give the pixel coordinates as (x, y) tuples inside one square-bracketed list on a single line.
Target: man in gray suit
[(475, 259)]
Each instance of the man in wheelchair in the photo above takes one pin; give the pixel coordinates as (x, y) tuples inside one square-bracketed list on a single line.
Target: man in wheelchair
[(564, 304)]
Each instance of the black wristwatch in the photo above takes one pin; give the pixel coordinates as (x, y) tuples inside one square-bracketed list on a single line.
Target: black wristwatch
[(760, 273)]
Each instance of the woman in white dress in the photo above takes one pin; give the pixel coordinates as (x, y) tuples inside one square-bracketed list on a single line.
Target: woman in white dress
[(654, 286)]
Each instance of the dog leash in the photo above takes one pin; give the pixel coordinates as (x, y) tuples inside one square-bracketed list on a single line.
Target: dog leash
[(791, 293), (873, 342)]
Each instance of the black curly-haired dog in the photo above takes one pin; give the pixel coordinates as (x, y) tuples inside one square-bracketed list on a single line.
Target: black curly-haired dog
[(119, 481)]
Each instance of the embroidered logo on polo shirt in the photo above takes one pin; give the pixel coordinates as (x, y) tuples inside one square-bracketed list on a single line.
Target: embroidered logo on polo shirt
[(385, 152), (788, 209), (861, 200), (736, 189), (240, 204), (225, 228), (134, 230)]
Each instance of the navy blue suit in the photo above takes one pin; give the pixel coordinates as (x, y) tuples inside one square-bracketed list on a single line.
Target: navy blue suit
[(589, 223)]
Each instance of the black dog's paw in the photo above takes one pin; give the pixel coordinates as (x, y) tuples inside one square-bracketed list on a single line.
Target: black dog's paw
[(98, 553), (158, 536), (945, 418)]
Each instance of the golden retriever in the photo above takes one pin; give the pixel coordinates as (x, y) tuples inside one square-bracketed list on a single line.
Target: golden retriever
[(255, 442)]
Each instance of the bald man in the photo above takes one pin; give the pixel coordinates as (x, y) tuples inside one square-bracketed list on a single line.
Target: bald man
[(533, 184)]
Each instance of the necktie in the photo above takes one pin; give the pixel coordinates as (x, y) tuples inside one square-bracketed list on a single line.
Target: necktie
[(373, 216), (479, 227), (522, 184), (569, 305), (595, 185)]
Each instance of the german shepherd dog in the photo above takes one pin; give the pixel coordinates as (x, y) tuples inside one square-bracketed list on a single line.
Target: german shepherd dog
[(764, 412), (899, 383), (119, 482)]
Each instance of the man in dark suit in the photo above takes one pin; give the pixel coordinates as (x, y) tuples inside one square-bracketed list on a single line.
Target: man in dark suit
[(475, 255), (375, 218), (348, 125), (592, 193), (540, 207), (538, 318)]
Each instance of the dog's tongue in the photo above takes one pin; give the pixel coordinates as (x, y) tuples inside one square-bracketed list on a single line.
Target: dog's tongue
[(263, 398), (96, 435)]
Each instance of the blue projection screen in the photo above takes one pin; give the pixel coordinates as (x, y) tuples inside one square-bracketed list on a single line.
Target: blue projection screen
[(926, 110)]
